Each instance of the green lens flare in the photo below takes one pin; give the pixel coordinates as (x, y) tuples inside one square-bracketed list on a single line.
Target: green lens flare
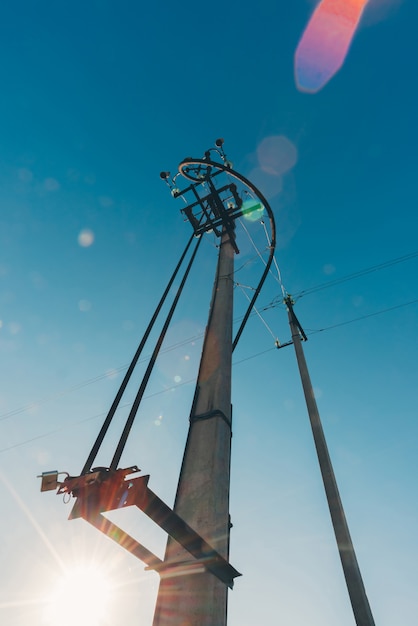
[(252, 210)]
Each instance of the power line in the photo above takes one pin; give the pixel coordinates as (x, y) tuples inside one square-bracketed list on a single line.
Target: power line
[(122, 406), (93, 417), (363, 317), (191, 380), (355, 319), (261, 318), (273, 303), (278, 301), (368, 270), (90, 381)]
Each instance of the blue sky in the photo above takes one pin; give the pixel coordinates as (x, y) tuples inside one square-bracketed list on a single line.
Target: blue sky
[(97, 99)]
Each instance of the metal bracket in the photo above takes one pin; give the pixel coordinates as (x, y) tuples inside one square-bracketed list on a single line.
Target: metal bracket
[(209, 415), (106, 490)]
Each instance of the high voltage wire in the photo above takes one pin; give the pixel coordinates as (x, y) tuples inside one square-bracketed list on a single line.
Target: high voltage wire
[(90, 381), (126, 404), (368, 270), (275, 302), (191, 380), (95, 379), (363, 317), (332, 326)]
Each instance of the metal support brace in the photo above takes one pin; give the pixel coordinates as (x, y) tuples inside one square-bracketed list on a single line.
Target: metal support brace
[(108, 490), (209, 415)]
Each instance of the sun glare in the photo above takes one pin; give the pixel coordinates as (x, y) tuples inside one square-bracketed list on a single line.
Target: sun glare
[(81, 597)]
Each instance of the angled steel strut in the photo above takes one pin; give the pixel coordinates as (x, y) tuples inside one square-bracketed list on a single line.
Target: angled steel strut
[(104, 489)]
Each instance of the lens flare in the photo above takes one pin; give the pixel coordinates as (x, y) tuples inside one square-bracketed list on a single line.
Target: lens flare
[(252, 210), (276, 155), (85, 238), (325, 43)]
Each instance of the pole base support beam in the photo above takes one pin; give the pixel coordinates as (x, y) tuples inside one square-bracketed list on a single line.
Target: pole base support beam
[(105, 490)]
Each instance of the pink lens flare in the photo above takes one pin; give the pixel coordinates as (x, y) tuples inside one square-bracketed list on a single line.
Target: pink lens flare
[(326, 41)]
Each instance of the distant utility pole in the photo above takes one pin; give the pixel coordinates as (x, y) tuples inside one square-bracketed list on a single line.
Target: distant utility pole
[(355, 586)]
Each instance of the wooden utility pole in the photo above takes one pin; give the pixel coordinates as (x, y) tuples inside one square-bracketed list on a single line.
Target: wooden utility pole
[(189, 595)]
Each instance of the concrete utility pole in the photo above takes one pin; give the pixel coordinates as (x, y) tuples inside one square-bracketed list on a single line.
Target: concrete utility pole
[(192, 592), (189, 595), (195, 573), (355, 586)]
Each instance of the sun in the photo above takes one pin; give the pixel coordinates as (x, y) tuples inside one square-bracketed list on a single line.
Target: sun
[(81, 596)]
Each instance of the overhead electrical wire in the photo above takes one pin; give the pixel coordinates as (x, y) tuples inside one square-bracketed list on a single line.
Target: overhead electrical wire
[(187, 382), (363, 317), (275, 302), (276, 265), (231, 174), (359, 274), (90, 381), (105, 375), (261, 318), (260, 256)]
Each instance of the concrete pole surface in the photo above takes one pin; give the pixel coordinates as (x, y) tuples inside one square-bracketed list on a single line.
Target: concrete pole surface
[(359, 602), (189, 595)]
